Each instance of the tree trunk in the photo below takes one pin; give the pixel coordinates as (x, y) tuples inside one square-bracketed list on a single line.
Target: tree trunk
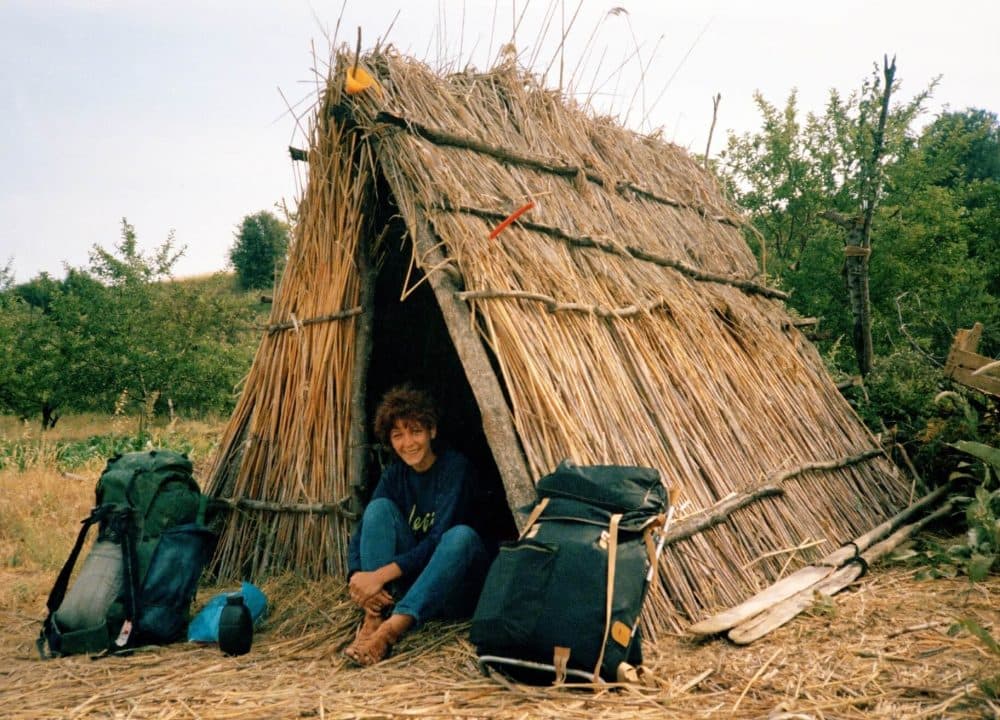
[(857, 249), (856, 256), (49, 416)]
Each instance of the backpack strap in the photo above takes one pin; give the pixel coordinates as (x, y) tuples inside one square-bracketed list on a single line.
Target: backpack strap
[(58, 592), (130, 571), (612, 558), (142, 507), (202, 509), (539, 508)]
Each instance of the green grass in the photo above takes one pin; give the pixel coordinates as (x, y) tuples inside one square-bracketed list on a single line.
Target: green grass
[(86, 441)]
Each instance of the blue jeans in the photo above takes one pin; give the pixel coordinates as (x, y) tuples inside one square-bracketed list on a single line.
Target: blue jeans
[(448, 587)]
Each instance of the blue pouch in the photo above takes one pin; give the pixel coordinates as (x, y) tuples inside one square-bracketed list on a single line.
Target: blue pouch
[(204, 627)]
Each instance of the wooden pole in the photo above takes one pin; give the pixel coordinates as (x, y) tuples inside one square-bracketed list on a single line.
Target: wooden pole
[(357, 445), (498, 425)]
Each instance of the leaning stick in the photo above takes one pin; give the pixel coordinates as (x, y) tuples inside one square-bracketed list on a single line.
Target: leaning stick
[(811, 574), (784, 611)]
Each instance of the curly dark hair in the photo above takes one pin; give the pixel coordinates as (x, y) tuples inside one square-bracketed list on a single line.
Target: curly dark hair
[(404, 402)]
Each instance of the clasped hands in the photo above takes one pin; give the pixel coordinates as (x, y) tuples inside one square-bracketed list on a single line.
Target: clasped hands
[(367, 590)]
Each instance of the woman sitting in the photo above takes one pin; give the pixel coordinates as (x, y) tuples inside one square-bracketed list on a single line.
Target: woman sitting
[(411, 558)]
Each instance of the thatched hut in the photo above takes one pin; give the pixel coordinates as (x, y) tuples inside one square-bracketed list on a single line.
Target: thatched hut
[(620, 319)]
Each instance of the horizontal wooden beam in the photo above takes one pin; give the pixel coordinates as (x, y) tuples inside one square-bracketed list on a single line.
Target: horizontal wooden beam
[(622, 187), (586, 241), (276, 507), (295, 323)]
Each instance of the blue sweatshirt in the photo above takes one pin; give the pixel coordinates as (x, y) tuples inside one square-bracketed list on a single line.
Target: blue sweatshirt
[(431, 503)]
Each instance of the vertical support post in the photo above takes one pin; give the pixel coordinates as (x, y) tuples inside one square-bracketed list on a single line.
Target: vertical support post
[(498, 425), (359, 382)]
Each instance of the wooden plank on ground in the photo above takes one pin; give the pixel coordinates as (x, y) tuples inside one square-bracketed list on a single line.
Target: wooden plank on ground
[(808, 576)]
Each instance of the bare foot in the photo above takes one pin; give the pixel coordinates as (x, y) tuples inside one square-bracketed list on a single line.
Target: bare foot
[(376, 647), (371, 622)]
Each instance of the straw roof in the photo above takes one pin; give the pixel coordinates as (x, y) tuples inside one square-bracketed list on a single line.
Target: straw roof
[(623, 310)]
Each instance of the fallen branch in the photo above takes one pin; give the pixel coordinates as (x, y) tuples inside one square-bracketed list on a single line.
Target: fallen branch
[(784, 611), (809, 575)]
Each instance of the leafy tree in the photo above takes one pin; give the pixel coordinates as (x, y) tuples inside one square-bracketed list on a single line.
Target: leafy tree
[(32, 362), (39, 291), (128, 265), (258, 253), (7, 276), (961, 154), (121, 328), (806, 183)]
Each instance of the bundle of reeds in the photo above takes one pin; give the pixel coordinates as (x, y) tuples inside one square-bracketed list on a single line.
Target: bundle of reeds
[(283, 461), (623, 308), (629, 324)]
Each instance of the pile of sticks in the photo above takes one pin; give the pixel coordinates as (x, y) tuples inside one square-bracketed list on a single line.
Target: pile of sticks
[(781, 602)]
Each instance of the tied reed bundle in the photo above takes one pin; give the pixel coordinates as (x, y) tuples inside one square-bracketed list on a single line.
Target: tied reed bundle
[(286, 445)]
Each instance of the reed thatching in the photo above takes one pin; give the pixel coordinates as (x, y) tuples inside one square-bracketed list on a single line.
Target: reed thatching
[(623, 312), (286, 445)]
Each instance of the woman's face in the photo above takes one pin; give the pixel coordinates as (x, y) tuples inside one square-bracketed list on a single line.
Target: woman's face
[(412, 442)]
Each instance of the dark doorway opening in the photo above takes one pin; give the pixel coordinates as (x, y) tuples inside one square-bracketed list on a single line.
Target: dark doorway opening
[(410, 343)]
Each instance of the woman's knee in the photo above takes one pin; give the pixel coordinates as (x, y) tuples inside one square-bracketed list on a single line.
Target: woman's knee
[(461, 538), (379, 511)]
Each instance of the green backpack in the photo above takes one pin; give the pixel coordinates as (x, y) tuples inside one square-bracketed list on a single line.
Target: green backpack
[(138, 580)]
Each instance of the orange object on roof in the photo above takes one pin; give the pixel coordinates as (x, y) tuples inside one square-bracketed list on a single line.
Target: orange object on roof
[(358, 80)]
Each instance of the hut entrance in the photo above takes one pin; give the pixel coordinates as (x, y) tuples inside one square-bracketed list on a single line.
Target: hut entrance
[(410, 343)]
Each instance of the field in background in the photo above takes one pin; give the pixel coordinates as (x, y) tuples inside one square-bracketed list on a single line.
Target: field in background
[(82, 443)]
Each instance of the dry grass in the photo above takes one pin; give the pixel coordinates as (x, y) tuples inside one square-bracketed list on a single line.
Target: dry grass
[(41, 506), (880, 650), (40, 513)]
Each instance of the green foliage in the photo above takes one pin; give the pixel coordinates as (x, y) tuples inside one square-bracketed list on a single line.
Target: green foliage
[(22, 454), (258, 254), (127, 265), (39, 291), (121, 326), (935, 263), (990, 685), (977, 555), (32, 364), (7, 276), (900, 391), (974, 628)]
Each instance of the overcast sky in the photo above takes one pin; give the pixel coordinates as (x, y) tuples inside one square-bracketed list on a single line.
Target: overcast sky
[(176, 114)]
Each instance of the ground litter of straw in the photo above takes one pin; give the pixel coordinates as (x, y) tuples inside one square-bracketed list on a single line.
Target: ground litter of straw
[(879, 650)]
